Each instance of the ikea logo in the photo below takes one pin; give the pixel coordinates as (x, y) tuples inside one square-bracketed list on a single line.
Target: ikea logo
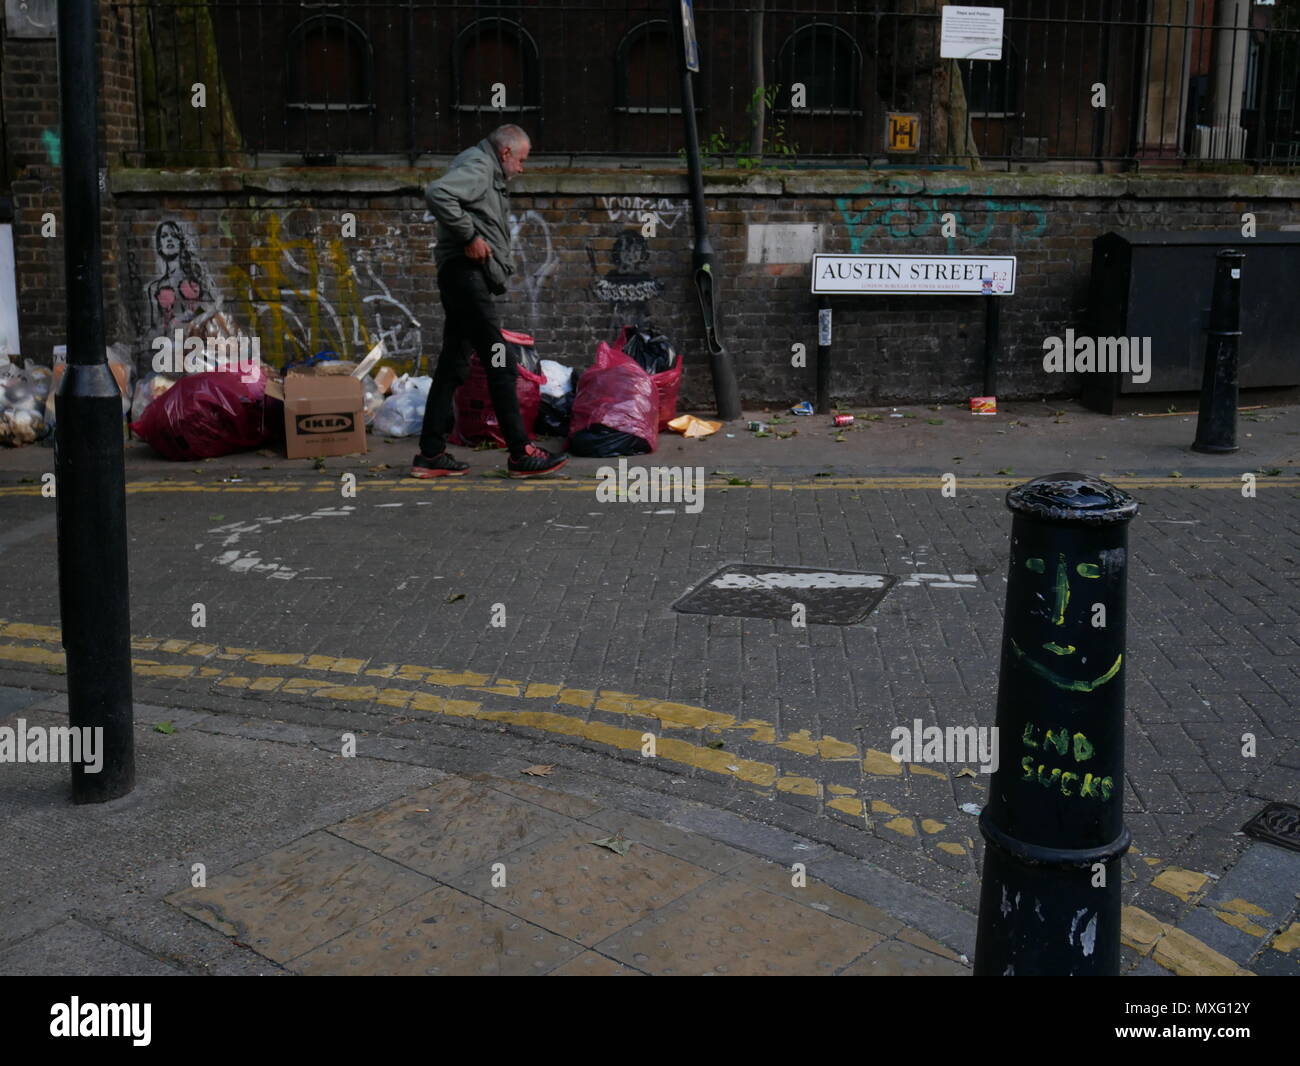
[(335, 423)]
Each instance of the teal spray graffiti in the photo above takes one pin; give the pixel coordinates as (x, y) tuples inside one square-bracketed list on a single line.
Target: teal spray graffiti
[(895, 215)]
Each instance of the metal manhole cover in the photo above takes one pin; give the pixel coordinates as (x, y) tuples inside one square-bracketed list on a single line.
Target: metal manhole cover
[(829, 597), (1278, 823)]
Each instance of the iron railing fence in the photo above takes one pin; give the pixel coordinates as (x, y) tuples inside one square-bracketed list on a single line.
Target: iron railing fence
[(1081, 84)]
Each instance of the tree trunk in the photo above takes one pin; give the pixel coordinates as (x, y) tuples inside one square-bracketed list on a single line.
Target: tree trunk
[(178, 50), (913, 78)]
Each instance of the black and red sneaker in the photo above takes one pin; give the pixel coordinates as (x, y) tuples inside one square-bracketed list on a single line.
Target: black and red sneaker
[(535, 462), (442, 465)]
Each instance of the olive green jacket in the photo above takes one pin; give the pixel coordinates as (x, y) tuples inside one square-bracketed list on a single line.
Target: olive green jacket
[(471, 200)]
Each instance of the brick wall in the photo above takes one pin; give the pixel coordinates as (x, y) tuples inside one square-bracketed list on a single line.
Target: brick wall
[(30, 85), (272, 248)]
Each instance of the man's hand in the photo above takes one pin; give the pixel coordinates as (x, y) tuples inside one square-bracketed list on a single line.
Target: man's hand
[(478, 249)]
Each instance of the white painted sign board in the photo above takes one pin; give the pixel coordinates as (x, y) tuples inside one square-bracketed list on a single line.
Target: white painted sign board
[(8, 292), (971, 32), (951, 275)]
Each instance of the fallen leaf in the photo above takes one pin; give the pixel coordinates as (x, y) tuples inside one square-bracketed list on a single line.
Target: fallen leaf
[(1174, 473), (540, 770), (934, 421), (615, 843), (455, 596), (715, 744), (965, 771), (787, 436), (1006, 470), (164, 727)]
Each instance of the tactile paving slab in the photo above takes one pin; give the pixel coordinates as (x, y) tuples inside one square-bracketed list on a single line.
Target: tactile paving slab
[(829, 597)]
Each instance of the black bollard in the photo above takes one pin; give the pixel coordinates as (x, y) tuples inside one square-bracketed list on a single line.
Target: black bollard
[(1055, 808), (1216, 425), (90, 477)]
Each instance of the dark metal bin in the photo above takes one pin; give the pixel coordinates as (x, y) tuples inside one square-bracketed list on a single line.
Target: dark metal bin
[(1158, 284)]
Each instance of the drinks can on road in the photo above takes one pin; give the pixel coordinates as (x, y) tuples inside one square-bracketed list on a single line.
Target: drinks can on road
[(843, 420)]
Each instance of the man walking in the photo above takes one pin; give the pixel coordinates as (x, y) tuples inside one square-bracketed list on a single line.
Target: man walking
[(471, 204)]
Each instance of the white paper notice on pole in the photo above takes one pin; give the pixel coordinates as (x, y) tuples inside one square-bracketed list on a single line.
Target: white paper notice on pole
[(971, 32), (953, 275)]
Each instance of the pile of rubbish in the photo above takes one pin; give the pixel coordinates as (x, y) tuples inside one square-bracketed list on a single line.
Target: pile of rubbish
[(627, 397), (208, 404), (23, 394)]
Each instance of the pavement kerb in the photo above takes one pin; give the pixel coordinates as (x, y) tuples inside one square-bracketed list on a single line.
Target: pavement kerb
[(911, 482), (621, 724), (949, 926), (1158, 943)]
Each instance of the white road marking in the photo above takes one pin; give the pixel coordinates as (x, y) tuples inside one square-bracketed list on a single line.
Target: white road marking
[(778, 579)]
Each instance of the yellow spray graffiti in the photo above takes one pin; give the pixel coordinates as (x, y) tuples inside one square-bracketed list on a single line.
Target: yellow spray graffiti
[(301, 296)]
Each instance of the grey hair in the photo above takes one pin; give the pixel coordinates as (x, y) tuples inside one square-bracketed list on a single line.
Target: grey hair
[(508, 136)]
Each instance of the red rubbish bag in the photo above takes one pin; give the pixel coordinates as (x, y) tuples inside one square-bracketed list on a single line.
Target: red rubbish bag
[(206, 415), (617, 393), (667, 383), (476, 420)]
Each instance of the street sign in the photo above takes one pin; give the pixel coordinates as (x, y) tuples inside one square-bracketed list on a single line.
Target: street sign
[(688, 34), (971, 33), (902, 132), (951, 275)]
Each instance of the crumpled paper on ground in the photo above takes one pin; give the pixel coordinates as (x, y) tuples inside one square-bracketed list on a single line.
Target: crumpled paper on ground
[(690, 426)]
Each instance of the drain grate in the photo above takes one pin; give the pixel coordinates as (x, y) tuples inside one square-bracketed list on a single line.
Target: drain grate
[(830, 597), (1278, 823)]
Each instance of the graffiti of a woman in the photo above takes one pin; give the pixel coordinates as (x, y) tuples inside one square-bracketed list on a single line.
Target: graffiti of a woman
[(180, 292)]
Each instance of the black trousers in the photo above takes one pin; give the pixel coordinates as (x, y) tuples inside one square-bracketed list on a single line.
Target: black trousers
[(470, 325)]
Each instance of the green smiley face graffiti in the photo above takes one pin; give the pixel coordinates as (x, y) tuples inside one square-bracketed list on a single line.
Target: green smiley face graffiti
[(1056, 603)]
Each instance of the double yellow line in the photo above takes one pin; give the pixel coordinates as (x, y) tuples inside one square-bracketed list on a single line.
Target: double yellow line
[(370, 683)]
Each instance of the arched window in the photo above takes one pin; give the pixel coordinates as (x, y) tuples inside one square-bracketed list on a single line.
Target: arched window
[(495, 52), (329, 64), (827, 61), (993, 86), (644, 69)]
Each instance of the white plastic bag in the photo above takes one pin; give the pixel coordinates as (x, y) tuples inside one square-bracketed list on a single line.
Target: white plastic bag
[(401, 415), (21, 417), (372, 400), (151, 386), (559, 379)]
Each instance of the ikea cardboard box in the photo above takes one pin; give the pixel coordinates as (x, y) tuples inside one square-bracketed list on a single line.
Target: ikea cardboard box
[(322, 415)]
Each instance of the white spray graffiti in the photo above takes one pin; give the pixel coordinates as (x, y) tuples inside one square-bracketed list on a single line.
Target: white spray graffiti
[(666, 213), (530, 237)]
